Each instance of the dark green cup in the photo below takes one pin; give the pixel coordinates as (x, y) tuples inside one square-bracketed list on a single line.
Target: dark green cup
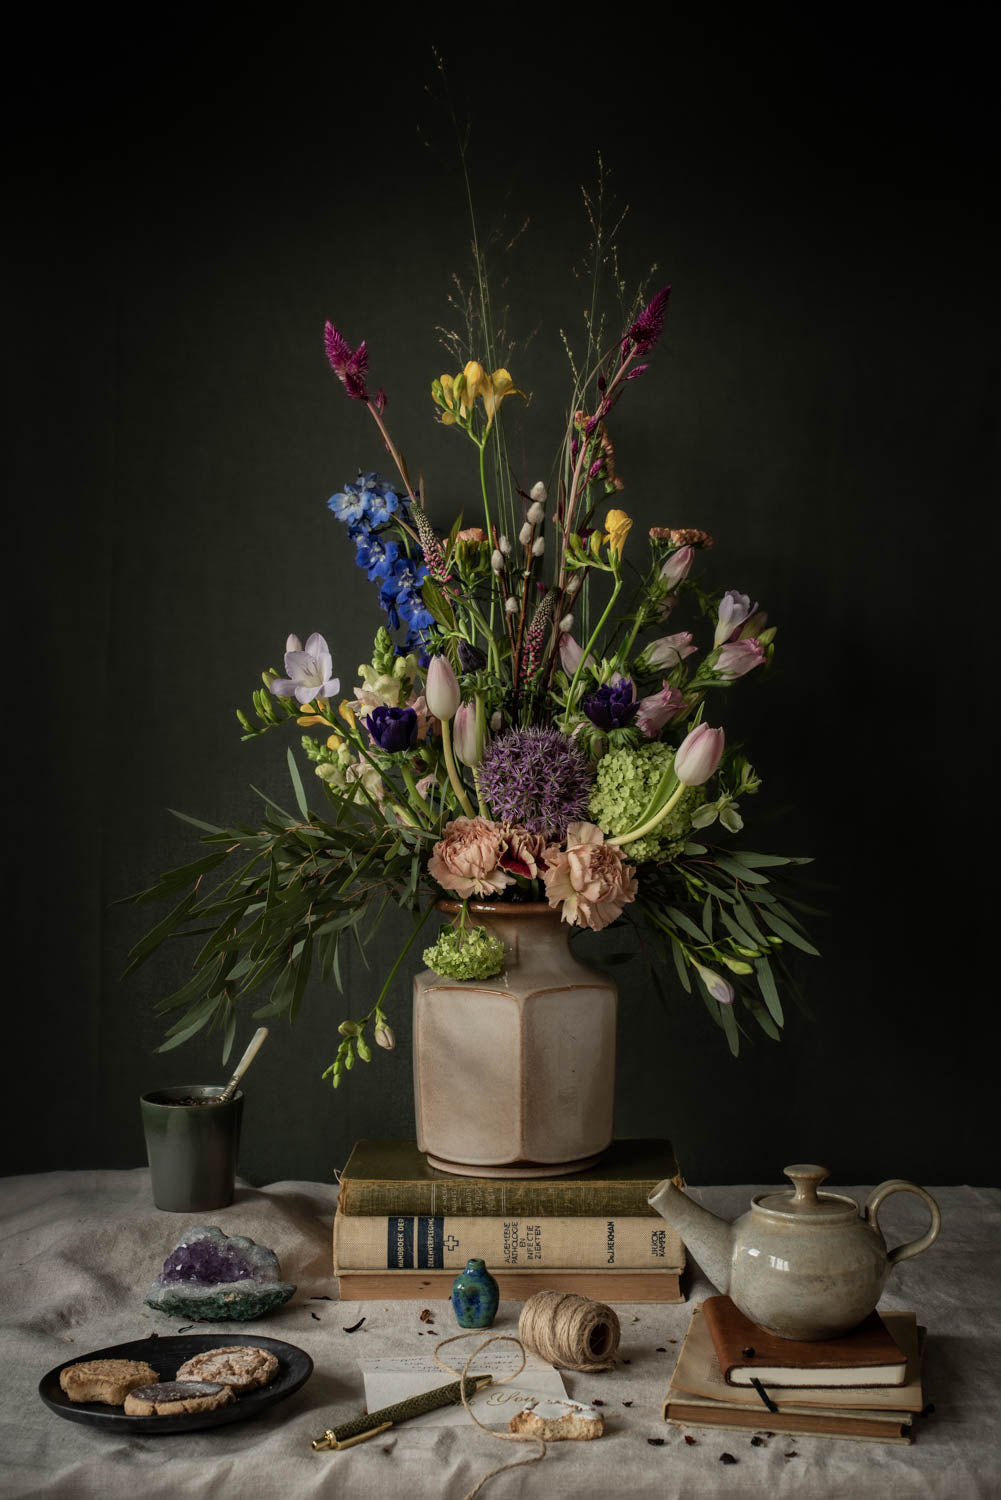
[(192, 1148)]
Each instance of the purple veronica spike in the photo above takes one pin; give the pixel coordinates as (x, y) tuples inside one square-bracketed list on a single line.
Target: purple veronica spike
[(649, 325), (349, 365), (308, 673)]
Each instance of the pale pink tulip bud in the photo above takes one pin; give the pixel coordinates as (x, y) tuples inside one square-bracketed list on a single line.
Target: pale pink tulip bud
[(721, 989), (571, 654), (666, 652), (525, 534), (657, 710), (538, 546), (497, 560), (737, 659), (699, 754), (677, 567), (464, 736), (734, 609), (511, 605), (539, 493), (536, 512), (384, 1036), (442, 692)]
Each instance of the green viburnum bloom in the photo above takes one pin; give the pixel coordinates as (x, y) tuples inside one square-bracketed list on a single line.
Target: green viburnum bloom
[(473, 954), (627, 779)]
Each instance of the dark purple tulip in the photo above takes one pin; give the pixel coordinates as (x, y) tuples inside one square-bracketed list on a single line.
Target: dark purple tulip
[(393, 729), (613, 705)]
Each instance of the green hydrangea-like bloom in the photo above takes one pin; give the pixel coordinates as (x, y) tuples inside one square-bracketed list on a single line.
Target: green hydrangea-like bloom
[(470, 954), (627, 779)]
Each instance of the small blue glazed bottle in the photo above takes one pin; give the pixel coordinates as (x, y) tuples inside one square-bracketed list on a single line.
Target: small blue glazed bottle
[(475, 1295)]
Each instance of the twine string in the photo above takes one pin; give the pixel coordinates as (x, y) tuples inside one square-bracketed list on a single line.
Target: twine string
[(560, 1327)]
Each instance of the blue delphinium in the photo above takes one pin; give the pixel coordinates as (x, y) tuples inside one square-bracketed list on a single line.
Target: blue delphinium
[(363, 505), (365, 501)]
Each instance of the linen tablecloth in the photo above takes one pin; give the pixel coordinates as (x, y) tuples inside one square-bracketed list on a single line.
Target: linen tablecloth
[(80, 1249)]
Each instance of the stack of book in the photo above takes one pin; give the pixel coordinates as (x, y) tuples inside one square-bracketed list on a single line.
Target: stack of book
[(865, 1384), (403, 1229)]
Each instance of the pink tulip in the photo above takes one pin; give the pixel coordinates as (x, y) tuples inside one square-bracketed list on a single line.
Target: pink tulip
[(666, 652), (737, 659), (442, 691), (657, 710), (699, 754), (464, 735), (677, 567), (571, 654)]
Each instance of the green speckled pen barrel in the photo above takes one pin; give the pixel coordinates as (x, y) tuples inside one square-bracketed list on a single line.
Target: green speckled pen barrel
[(367, 1425)]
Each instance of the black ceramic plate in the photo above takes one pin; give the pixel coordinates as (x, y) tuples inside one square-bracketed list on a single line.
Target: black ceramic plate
[(166, 1355)]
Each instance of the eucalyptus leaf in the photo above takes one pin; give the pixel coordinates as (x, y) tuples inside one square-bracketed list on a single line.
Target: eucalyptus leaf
[(740, 872), (769, 992), (789, 934)]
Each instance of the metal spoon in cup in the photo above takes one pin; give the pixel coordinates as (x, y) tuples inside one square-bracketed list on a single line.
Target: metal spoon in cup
[(256, 1042)]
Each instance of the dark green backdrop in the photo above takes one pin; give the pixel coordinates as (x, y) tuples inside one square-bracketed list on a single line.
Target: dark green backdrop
[(824, 401)]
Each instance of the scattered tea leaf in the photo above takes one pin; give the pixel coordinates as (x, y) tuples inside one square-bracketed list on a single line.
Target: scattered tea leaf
[(660, 1349), (627, 1403), (793, 1454), (67, 1339), (748, 1353), (187, 1329), (692, 1442), (672, 1341), (321, 1299), (426, 1315), (728, 1458), (656, 1442), (928, 1409), (316, 1316), (627, 1361), (757, 1442), (355, 1326), (597, 1401)]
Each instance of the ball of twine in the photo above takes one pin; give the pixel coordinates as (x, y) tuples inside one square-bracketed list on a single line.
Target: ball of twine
[(570, 1331)]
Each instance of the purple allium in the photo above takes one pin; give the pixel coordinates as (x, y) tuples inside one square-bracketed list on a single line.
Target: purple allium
[(349, 365), (537, 778), (613, 705), (648, 326), (392, 729)]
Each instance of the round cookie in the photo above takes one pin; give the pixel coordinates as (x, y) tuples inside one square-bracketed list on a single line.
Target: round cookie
[(240, 1366), (105, 1380), (175, 1398)]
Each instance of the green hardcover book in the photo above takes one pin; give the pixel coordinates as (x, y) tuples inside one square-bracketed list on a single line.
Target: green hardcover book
[(393, 1177)]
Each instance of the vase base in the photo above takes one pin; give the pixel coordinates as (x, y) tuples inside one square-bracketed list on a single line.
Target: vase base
[(516, 1169)]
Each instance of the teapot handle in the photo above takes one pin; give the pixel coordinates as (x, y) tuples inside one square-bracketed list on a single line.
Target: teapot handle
[(897, 1185)]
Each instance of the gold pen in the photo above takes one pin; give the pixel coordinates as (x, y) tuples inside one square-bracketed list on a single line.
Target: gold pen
[(359, 1429)]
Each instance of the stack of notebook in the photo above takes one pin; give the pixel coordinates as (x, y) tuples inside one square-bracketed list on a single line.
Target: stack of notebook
[(403, 1229), (865, 1384)]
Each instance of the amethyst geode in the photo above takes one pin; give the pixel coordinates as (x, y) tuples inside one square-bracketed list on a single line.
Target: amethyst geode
[(211, 1277)]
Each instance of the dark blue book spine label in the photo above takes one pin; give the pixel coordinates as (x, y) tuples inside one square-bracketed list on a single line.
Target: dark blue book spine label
[(430, 1243), (400, 1243)]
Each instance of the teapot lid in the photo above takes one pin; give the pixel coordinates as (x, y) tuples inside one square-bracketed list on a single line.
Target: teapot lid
[(804, 1201)]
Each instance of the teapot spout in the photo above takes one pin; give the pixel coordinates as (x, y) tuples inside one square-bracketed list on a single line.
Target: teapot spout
[(708, 1237)]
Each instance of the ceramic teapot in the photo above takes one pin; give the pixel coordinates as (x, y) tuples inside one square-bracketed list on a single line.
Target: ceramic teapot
[(800, 1264)]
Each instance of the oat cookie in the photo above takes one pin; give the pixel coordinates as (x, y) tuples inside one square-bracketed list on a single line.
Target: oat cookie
[(105, 1380), (175, 1398), (555, 1420), (240, 1366)]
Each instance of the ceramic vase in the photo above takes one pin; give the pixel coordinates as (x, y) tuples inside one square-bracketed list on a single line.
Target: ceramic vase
[(515, 1076), (475, 1295)]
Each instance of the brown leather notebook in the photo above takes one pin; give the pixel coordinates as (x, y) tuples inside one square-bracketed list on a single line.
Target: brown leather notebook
[(867, 1356)]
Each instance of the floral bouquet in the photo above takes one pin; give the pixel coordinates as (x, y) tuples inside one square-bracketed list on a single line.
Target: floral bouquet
[(536, 723)]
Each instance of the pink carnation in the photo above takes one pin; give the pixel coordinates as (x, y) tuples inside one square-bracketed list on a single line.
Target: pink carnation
[(589, 878), (467, 859), (523, 853)]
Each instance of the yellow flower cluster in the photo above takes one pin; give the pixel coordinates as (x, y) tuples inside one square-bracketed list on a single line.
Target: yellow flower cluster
[(457, 394)]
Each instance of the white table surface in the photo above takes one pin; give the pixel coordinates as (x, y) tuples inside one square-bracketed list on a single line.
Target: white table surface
[(80, 1249)]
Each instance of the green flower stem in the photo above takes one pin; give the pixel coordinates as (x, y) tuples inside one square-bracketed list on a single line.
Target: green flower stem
[(416, 800), (571, 695), (453, 773), (377, 1007), (655, 821), (398, 807)]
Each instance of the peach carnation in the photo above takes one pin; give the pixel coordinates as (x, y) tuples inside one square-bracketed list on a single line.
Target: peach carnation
[(589, 878), (467, 859)]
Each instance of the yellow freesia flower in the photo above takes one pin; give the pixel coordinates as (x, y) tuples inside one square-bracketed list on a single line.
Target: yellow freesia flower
[(500, 385), (347, 714), (334, 742), (458, 394), (618, 525)]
